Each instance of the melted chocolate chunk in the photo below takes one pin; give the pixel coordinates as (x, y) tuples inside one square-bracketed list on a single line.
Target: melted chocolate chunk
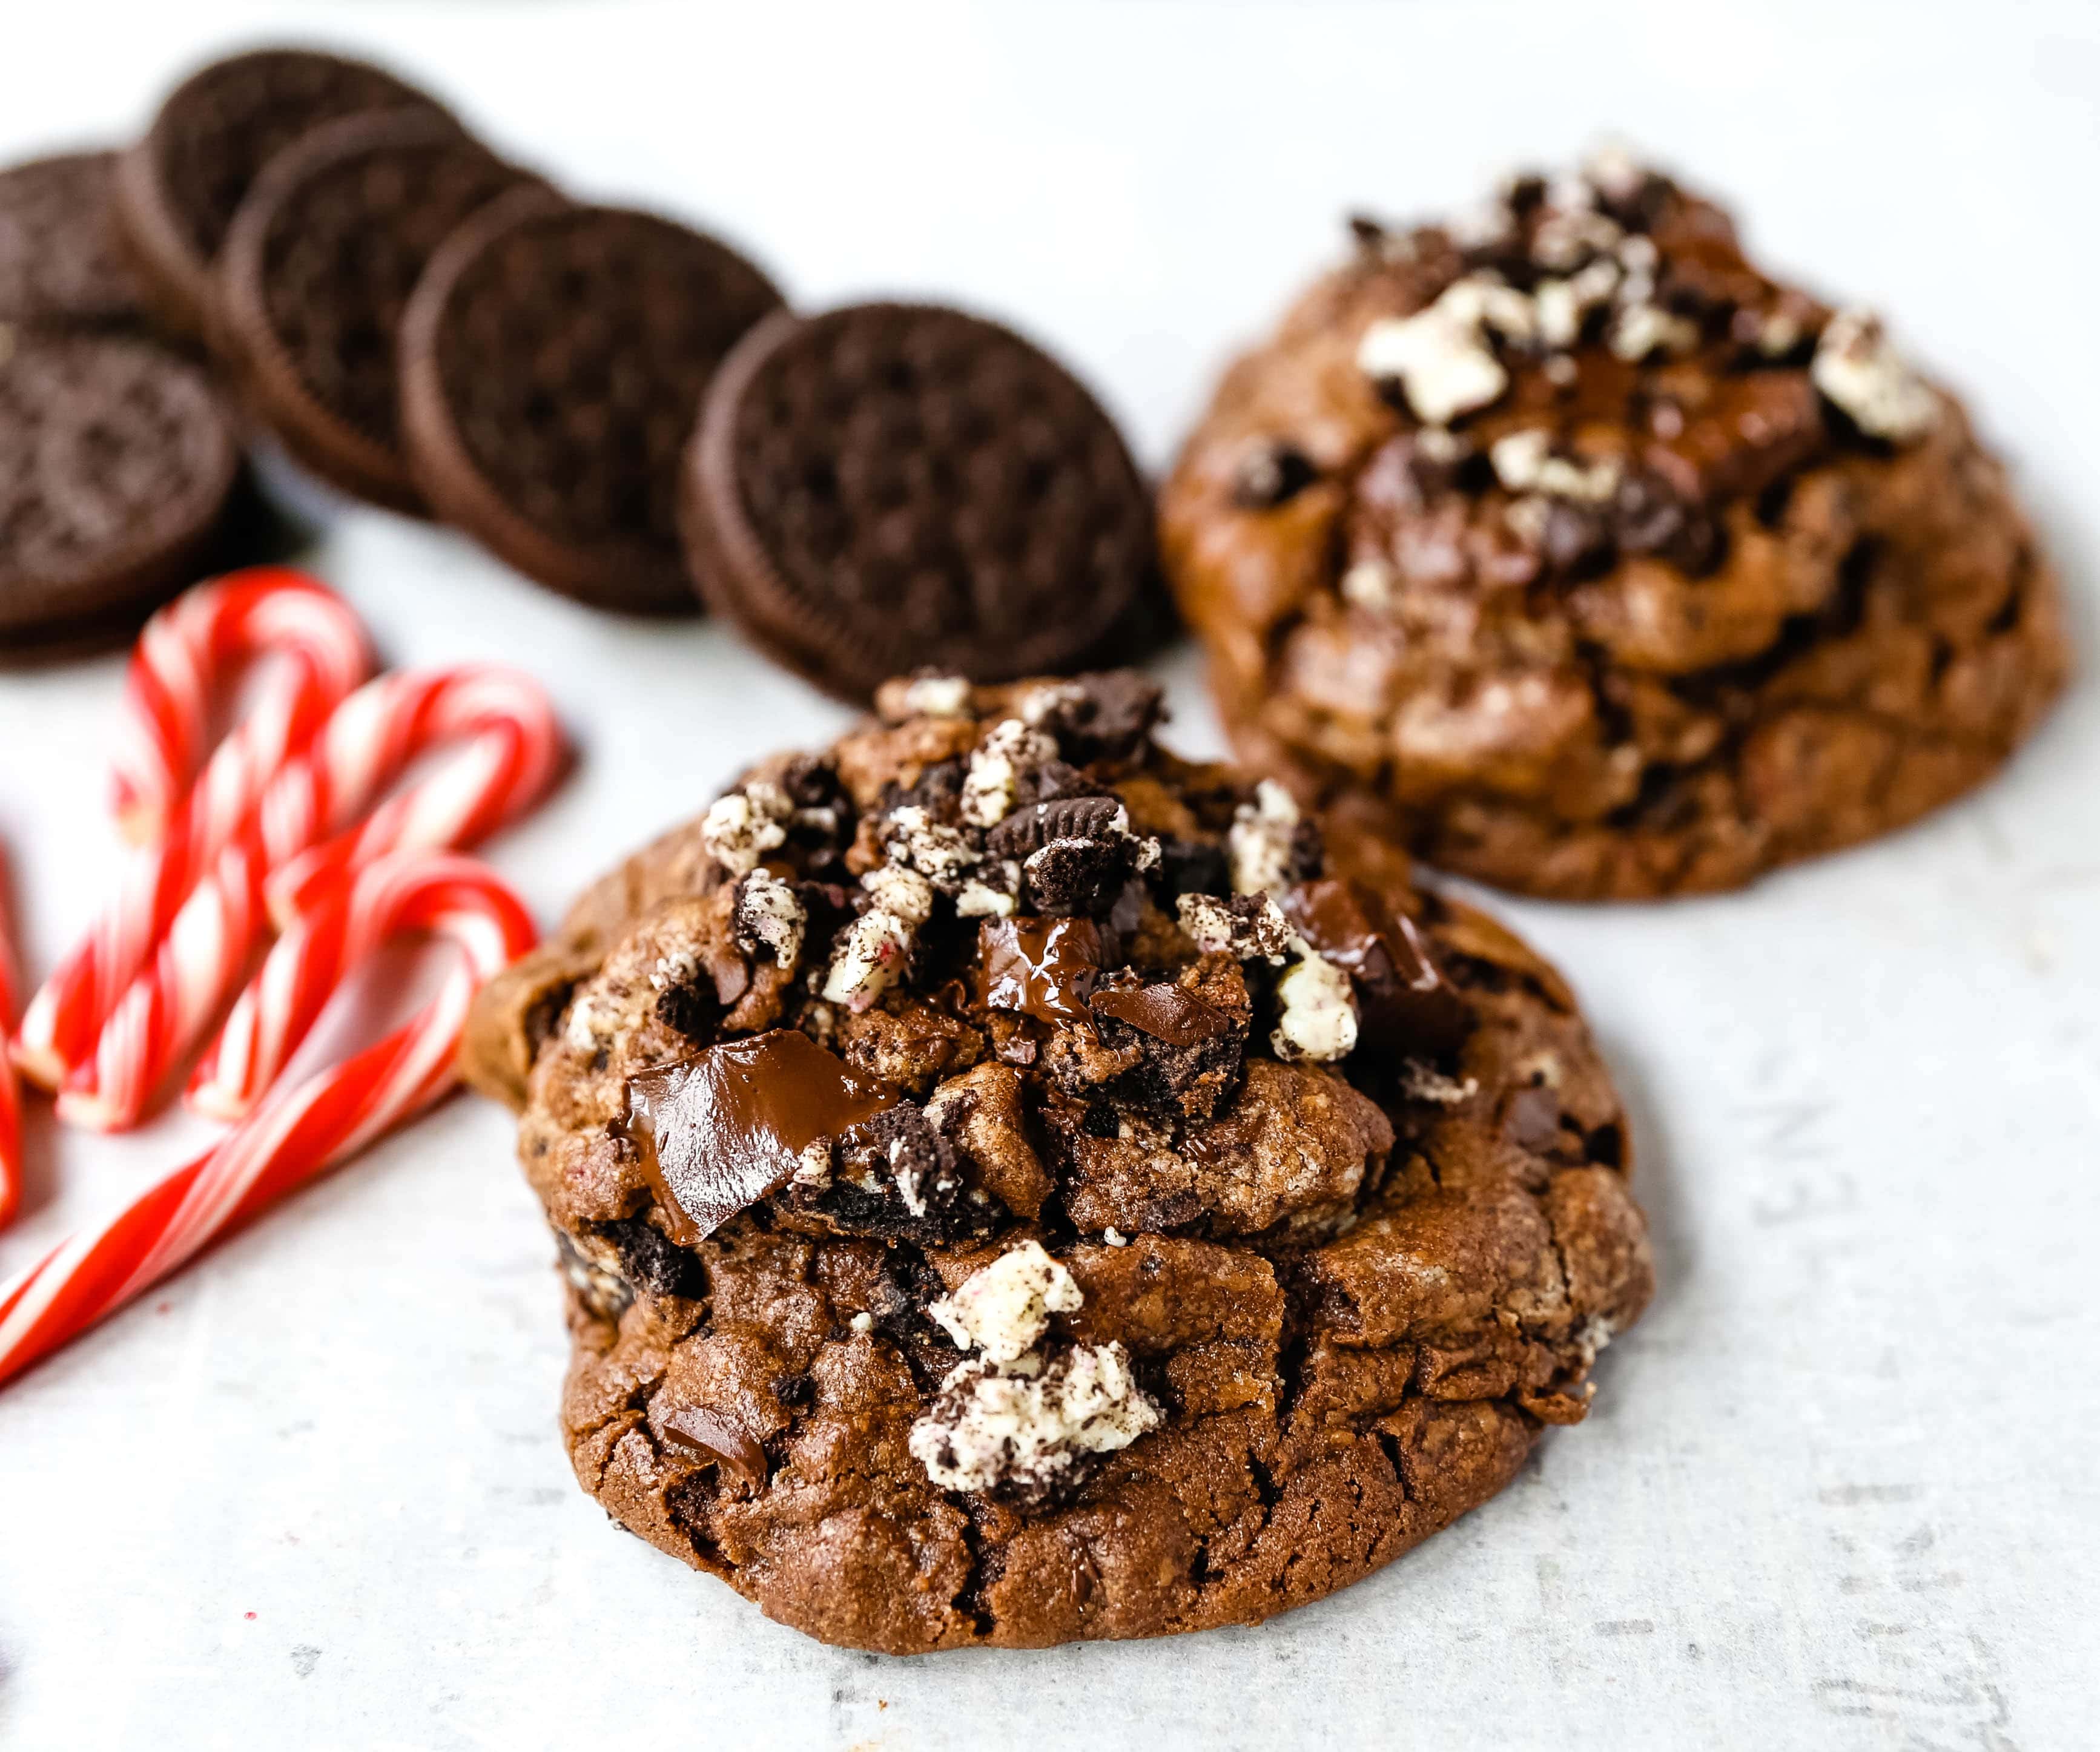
[(1040, 967), (720, 1130), (1166, 1012), (652, 1259), (713, 1436), (1406, 1000)]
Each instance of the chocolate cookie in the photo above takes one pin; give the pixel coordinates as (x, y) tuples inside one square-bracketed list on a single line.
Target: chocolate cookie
[(553, 360), (1573, 550), (178, 188), (316, 270), (61, 260), (892, 485), (117, 462), (1014, 1185)]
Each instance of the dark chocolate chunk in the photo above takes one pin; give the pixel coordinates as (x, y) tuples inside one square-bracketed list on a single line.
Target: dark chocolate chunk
[(1532, 1121), (316, 270), (1041, 967), (1405, 998), (553, 358), (722, 1129), (1165, 1011), (888, 487), (712, 1436), (179, 188)]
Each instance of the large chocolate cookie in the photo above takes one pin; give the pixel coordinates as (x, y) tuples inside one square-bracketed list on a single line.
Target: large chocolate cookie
[(179, 188), (892, 485), (317, 269), (553, 360), (117, 462), (1017, 1187), (60, 260), (1569, 547)]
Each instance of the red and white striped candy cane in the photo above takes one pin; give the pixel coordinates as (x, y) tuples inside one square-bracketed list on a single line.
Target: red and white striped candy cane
[(515, 750), (396, 892), (10, 1096), (188, 656), (297, 1133)]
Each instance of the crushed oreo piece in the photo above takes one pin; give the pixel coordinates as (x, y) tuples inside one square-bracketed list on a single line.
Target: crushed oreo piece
[(652, 1259), (605, 1293)]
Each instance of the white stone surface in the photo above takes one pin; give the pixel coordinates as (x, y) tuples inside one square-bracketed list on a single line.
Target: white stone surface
[(1839, 1490)]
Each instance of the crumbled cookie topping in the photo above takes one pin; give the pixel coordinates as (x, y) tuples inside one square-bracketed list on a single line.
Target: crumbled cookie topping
[(1858, 368), (1441, 357), (768, 916), (1005, 1307), (1020, 1431), (741, 828)]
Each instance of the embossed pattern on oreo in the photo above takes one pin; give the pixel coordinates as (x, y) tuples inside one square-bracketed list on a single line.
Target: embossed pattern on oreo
[(60, 257), (224, 125), (922, 486), (115, 461), (317, 272), (569, 356)]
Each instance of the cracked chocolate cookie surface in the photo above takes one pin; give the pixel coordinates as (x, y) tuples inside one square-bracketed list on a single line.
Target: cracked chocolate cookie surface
[(1567, 547), (1015, 1185)]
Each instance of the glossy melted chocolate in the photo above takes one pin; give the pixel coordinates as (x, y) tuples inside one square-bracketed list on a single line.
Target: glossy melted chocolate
[(1166, 1012), (721, 1129), (1404, 995), (1041, 967), (713, 1436)]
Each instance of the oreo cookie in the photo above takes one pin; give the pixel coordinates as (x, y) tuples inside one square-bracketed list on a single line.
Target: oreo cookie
[(60, 259), (316, 270), (117, 460), (890, 486), (552, 361), (178, 188)]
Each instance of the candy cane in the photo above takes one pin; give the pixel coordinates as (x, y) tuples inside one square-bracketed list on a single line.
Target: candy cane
[(515, 750), (10, 1098), (186, 660), (297, 1133), (188, 656)]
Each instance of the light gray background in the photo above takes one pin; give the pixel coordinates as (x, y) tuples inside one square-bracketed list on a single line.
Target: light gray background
[(1838, 1490)]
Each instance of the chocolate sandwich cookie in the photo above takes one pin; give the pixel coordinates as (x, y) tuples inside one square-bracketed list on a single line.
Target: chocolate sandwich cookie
[(60, 259), (1016, 1186), (318, 267), (892, 485), (553, 360), (178, 188), (1571, 549), (117, 462)]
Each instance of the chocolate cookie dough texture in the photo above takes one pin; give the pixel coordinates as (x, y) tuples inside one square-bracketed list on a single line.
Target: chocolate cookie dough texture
[(1015, 1185), (1568, 547)]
